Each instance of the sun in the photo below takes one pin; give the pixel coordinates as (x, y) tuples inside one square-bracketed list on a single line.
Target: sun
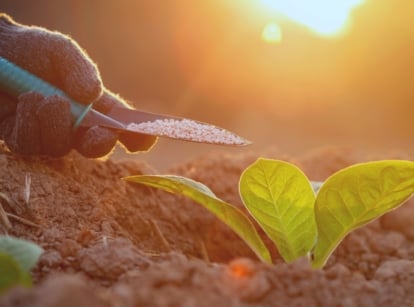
[(324, 17)]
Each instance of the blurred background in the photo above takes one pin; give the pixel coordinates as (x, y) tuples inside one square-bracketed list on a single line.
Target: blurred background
[(292, 74)]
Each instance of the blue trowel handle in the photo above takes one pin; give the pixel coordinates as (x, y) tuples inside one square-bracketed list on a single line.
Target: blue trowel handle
[(14, 80)]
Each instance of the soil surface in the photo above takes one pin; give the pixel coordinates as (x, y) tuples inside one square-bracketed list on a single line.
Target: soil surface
[(112, 243)]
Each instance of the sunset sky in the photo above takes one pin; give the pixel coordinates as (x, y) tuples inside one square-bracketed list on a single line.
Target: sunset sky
[(298, 74)]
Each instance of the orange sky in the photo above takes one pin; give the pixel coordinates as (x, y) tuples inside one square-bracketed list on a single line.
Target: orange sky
[(207, 60)]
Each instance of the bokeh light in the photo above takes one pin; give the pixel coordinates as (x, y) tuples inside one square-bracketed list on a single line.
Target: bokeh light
[(272, 33)]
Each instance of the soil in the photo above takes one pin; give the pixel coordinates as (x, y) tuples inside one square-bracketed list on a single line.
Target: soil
[(112, 243)]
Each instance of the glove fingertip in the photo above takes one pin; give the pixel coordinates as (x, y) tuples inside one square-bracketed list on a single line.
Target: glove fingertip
[(55, 126), (95, 142), (79, 75), (134, 142), (84, 85)]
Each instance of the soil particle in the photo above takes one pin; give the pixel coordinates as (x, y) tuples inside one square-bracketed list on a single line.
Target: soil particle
[(51, 259), (98, 262), (242, 278), (111, 243), (57, 290)]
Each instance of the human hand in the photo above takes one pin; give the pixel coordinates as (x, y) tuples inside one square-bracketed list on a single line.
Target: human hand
[(38, 125)]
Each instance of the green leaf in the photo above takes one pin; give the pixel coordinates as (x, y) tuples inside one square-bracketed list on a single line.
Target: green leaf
[(355, 196), (230, 215), (281, 199), (25, 253), (11, 274)]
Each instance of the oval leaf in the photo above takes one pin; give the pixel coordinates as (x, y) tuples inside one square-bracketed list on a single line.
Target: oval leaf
[(355, 196), (11, 274), (230, 215), (24, 252), (281, 199)]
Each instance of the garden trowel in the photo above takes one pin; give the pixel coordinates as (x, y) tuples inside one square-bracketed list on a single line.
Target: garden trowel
[(15, 81)]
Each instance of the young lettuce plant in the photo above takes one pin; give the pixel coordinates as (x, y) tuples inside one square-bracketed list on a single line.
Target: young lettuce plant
[(299, 221), (17, 258)]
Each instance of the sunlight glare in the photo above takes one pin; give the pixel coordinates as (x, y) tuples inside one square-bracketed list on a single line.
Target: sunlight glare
[(272, 34), (325, 17)]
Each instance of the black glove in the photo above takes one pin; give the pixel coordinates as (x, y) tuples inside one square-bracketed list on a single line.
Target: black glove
[(37, 125)]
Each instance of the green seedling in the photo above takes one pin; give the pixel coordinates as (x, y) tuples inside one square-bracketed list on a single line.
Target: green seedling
[(300, 221), (17, 258)]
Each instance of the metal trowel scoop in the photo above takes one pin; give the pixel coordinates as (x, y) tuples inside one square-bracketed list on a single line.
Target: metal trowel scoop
[(15, 81)]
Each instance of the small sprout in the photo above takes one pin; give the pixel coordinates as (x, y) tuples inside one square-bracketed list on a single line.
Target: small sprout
[(302, 218)]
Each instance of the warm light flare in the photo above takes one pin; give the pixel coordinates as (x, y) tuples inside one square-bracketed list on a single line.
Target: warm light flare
[(241, 268), (325, 17), (272, 33)]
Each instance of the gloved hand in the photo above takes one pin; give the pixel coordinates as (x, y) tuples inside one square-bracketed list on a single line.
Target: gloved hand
[(38, 125)]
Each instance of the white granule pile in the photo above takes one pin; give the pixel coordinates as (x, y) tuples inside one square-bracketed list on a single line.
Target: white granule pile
[(186, 129)]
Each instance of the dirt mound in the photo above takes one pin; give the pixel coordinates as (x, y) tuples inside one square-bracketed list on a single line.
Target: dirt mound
[(112, 243)]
